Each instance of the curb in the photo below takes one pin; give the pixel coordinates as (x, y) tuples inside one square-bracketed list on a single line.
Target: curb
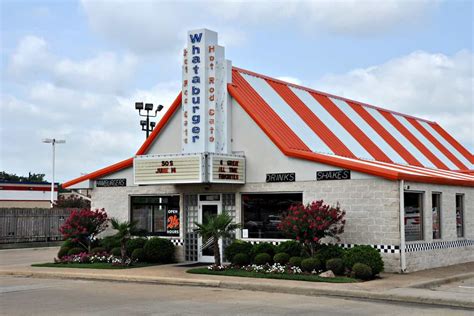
[(438, 282), (376, 296)]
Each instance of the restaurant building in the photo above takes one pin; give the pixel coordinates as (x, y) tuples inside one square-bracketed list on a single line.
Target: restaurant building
[(240, 142)]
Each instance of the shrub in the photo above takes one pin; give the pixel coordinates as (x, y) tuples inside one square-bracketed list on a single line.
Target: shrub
[(327, 252), (362, 271), (292, 247), (138, 254), (236, 247), (159, 250), (366, 255), (116, 252), (63, 251), (281, 258), (68, 243), (336, 265), (264, 247), (241, 259), (295, 261), (135, 243), (109, 243), (310, 264), (262, 258), (75, 251), (98, 250), (312, 222)]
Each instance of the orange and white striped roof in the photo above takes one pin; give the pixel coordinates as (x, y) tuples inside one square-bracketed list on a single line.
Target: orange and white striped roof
[(308, 124), (339, 131)]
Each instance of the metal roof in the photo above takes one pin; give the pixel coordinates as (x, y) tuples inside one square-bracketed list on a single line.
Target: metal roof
[(312, 125)]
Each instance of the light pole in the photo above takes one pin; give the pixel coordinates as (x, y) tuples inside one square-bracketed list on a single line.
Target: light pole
[(53, 142), (147, 126)]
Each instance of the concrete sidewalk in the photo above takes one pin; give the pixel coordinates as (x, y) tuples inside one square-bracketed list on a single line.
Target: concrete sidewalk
[(418, 287)]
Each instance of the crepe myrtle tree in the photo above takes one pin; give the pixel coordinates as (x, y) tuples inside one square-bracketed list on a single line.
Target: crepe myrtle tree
[(83, 226), (216, 227), (312, 222)]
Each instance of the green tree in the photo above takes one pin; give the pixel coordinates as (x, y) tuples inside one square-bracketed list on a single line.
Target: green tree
[(32, 177), (216, 227), (125, 231)]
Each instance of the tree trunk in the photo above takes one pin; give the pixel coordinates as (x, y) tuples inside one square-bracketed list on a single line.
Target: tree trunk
[(217, 253), (123, 251)]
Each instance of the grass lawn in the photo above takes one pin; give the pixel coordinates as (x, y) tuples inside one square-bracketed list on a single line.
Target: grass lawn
[(295, 277), (100, 265)]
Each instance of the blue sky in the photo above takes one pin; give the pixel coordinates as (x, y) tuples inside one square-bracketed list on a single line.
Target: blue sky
[(73, 69)]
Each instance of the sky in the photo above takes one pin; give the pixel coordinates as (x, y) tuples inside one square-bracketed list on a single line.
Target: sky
[(74, 69)]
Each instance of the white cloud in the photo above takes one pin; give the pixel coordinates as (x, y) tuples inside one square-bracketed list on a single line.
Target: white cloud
[(106, 72), (31, 57), (148, 26), (433, 86)]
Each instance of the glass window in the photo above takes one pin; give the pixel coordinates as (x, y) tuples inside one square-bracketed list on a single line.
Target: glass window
[(413, 216), (460, 215), (157, 215), (263, 212), (436, 214)]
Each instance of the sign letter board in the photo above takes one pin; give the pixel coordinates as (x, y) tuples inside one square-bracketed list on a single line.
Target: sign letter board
[(168, 169), (227, 169), (333, 175)]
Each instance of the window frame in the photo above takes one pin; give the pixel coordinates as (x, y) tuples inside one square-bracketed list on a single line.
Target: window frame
[(155, 233), (462, 206), (440, 217), (242, 218), (422, 195)]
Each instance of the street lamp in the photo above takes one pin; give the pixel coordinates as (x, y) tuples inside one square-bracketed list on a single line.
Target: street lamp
[(53, 142), (146, 125)]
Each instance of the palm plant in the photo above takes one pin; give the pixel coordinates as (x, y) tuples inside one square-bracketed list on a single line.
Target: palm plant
[(216, 227), (125, 231)]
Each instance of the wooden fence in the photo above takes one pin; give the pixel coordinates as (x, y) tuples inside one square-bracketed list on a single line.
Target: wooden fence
[(31, 224)]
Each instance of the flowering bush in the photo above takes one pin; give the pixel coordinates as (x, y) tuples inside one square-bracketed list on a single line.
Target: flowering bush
[(215, 267), (84, 257), (82, 226), (312, 222), (275, 268)]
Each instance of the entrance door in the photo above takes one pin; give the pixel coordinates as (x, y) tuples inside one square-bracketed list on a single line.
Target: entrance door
[(206, 250)]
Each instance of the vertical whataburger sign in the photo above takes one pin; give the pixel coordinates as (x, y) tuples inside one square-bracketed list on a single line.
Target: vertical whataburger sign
[(205, 100)]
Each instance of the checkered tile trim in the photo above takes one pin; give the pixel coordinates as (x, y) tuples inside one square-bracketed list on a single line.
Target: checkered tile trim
[(177, 242), (413, 247), (380, 248)]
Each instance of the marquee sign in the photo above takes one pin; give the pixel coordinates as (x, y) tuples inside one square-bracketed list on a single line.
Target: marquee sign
[(192, 168), (227, 169), (333, 175), (205, 101), (156, 169)]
